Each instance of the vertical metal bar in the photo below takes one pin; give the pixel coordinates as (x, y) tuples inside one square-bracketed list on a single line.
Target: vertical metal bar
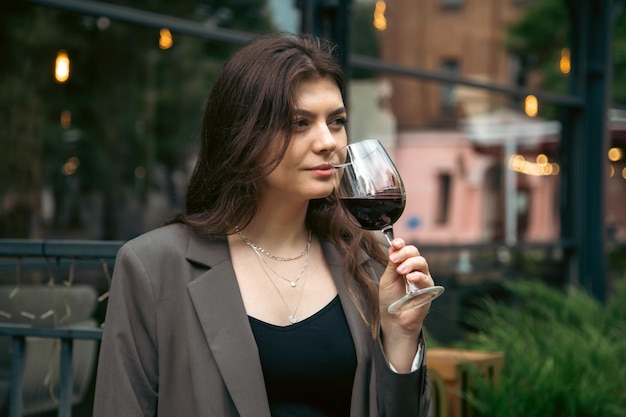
[(587, 140), (65, 378), (329, 19), (510, 190), (16, 404), (307, 14), (568, 151)]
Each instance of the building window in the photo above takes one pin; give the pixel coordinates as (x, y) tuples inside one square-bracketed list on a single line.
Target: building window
[(448, 93), (443, 206)]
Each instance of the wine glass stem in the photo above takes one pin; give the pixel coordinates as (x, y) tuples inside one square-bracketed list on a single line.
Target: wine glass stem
[(388, 232)]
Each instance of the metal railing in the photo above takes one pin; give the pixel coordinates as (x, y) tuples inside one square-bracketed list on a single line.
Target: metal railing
[(19, 333), (19, 249)]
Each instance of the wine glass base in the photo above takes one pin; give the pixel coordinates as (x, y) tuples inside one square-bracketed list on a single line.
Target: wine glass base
[(416, 299)]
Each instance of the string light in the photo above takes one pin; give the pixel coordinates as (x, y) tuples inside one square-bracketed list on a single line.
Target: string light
[(70, 166), (565, 64), (531, 106), (542, 167), (62, 67), (66, 119), (380, 21), (165, 39), (615, 154)]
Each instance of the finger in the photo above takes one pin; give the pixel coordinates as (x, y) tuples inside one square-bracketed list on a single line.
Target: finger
[(403, 254), (420, 279), (413, 264), (397, 244)]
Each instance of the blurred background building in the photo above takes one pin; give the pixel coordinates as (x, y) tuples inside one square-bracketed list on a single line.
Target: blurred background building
[(456, 177), (456, 37), (479, 166)]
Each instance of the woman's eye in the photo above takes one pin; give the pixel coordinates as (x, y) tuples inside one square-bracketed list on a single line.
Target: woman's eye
[(300, 124), (340, 122)]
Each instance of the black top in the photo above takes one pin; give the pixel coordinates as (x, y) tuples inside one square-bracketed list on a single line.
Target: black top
[(309, 366)]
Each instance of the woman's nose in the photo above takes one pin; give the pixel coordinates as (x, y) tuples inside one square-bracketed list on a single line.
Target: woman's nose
[(326, 140)]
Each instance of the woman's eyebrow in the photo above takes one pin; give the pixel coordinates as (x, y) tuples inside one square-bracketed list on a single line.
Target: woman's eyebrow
[(307, 113)]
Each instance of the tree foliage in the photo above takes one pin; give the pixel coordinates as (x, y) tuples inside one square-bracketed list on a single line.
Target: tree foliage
[(135, 111), (542, 33)]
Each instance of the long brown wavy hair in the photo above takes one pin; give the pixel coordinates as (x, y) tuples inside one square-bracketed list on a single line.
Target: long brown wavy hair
[(250, 106)]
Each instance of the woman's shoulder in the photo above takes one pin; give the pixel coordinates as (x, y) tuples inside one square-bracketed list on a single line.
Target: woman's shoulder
[(174, 240), (166, 234)]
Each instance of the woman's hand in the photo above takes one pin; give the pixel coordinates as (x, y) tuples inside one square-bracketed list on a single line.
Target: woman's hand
[(401, 330)]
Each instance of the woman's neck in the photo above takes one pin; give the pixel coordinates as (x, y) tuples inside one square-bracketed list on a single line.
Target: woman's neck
[(278, 228)]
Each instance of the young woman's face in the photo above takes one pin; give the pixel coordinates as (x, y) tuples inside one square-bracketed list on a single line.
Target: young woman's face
[(317, 131)]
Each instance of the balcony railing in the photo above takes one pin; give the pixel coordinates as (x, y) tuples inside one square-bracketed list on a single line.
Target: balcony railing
[(20, 257), (18, 334)]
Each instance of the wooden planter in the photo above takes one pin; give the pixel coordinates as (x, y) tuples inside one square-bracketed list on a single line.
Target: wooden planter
[(451, 370)]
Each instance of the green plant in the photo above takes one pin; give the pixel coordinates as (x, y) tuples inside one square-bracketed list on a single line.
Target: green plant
[(564, 353)]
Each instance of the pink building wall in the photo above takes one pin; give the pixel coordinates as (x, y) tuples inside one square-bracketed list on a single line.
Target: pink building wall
[(544, 224), (421, 157)]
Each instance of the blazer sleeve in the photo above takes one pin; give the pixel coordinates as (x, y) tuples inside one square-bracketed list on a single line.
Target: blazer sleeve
[(402, 394), (127, 376), (399, 394)]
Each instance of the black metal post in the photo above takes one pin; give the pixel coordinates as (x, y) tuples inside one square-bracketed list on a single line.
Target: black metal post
[(66, 391), (329, 19), (584, 146), (16, 400)]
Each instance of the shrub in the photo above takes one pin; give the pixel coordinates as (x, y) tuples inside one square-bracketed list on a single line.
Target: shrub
[(564, 353)]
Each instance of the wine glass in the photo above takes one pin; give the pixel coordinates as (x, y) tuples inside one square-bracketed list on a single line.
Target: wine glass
[(372, 193)]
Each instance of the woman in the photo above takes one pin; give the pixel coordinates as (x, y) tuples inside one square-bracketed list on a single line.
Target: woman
[(263, 299)]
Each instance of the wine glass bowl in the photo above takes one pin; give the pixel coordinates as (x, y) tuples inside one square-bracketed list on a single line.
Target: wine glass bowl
[(372, 193), (370, 189)]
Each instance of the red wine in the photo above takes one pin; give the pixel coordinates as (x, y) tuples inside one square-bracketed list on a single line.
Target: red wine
[(376, 212)]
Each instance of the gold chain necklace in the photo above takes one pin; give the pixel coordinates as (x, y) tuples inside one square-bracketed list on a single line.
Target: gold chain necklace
[(292, 282), (259, 249), (292, 316)]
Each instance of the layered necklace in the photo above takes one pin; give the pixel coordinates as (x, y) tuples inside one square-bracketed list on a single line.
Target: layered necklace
[(259, 252), (259, 249)]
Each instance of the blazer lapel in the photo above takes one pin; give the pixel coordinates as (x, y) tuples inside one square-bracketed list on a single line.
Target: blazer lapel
[(217, 301)]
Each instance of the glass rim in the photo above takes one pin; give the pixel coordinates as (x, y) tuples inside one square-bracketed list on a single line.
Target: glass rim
[(352, 145)]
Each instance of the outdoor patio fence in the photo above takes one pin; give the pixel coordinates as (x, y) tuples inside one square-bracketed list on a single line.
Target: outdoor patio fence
[(18, 257)]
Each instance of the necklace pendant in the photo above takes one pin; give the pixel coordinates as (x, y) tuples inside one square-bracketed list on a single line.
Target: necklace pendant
[(293, 319), (293, 283)]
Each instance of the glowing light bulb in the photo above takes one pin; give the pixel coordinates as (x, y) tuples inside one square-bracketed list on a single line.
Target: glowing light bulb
[(165, 39), (565, 64), (62, 67), (615, 154), (531, 106), (380, 21)]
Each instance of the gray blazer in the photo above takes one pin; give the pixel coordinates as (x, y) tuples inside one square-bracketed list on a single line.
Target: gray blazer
[(177, 340)]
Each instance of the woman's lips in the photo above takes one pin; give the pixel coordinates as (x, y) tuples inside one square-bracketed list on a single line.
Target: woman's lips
[(324, 170)]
